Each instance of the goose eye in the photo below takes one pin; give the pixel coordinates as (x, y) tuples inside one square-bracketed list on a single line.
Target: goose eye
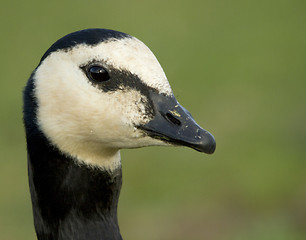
[(98, 74)]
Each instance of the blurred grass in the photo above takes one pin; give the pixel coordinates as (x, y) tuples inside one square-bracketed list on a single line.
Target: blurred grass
[(237, 66)]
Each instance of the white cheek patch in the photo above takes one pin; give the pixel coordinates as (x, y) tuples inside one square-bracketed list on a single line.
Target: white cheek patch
[(83, 121)]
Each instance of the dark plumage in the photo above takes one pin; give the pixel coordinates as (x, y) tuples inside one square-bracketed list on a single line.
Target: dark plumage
[(89, 37)]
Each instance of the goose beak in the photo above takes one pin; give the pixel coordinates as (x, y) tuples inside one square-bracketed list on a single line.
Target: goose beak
[(172, 123)]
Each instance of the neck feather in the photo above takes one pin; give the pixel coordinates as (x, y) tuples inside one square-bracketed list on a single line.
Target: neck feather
[(70, 200)]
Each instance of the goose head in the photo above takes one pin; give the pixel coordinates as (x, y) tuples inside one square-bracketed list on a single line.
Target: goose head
[(99, 91), (93, 93)]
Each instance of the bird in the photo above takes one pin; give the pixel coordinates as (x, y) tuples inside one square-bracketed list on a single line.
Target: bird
[(94, 92)]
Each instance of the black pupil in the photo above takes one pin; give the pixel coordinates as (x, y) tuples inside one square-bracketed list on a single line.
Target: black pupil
[(98, 74)]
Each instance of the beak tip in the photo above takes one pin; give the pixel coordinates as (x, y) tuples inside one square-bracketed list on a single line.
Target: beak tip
[(209, 145), (211, 149)]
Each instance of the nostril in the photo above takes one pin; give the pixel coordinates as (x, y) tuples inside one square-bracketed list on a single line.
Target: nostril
[(172, 119)]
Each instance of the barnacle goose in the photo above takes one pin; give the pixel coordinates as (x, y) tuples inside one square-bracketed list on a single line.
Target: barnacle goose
[(93, 93)]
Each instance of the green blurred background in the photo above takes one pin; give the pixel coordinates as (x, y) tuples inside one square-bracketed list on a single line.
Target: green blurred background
[(238, 66)]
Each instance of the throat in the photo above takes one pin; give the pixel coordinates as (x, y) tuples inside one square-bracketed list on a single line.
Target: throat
[(71, 200)]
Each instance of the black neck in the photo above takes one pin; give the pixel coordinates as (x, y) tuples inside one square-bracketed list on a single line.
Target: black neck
[(70, 200)]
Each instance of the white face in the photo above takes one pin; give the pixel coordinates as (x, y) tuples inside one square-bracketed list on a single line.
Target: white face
[(86, 122)]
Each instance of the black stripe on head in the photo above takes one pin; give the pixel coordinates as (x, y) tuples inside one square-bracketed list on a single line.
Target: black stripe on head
[(123, 80), (118, 79), (92, 36)]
